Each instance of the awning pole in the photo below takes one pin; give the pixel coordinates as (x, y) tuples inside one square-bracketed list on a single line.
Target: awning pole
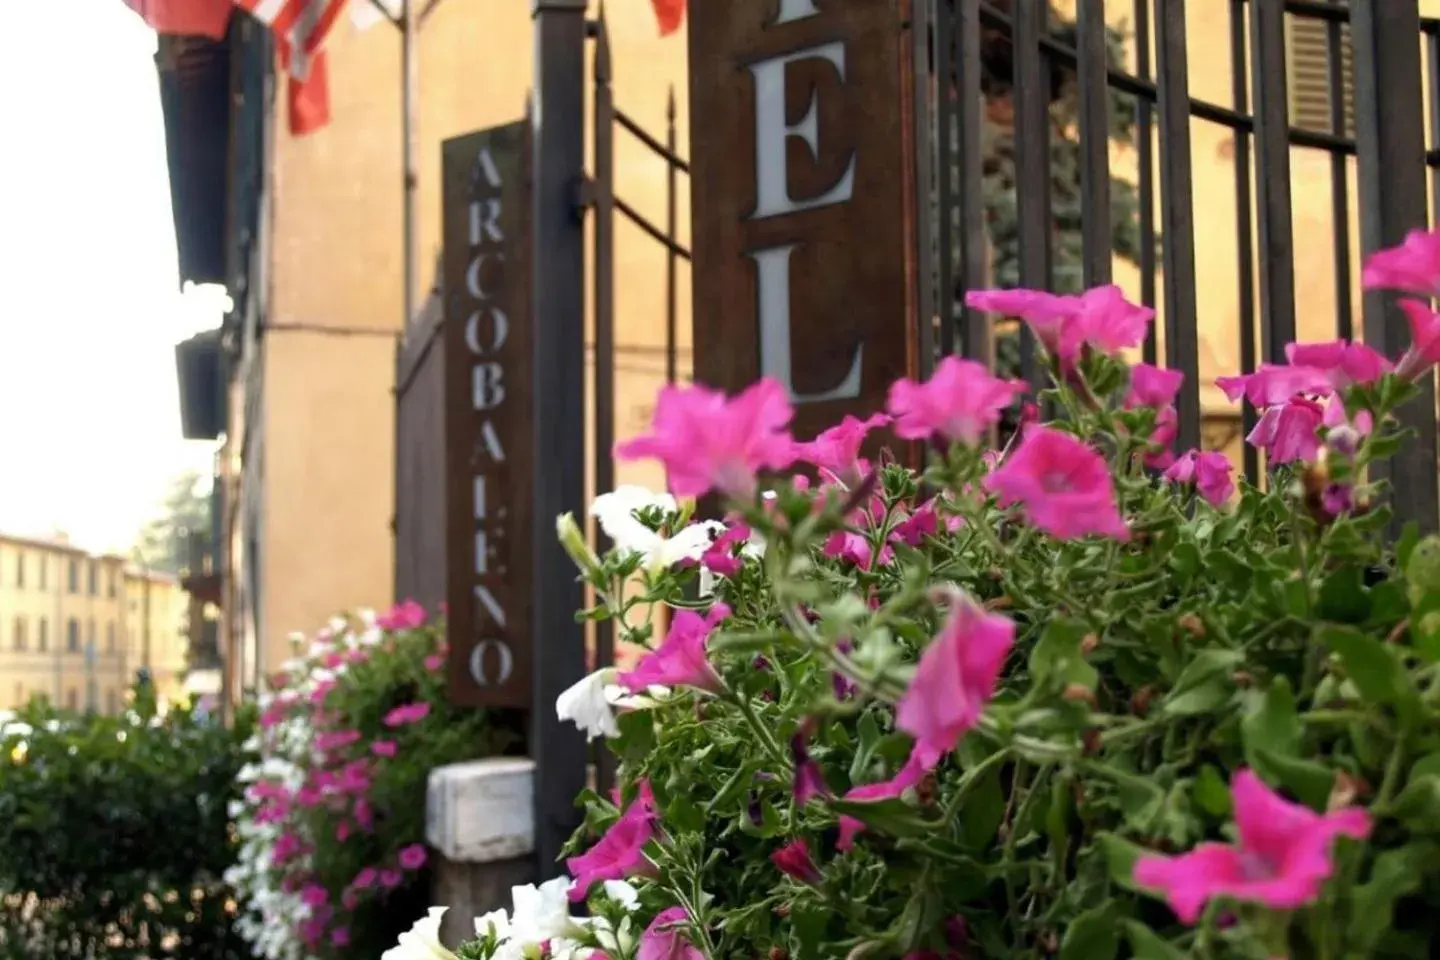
[(410, 89)]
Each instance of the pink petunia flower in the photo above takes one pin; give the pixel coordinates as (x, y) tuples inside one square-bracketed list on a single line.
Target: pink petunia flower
[(620, 852), (1047, 315), (413, 857), (680, 660), (1064, 485), (907, 776), (1152, 386), (665, 938), (707, 441), (406, 714), (1344, 362), (809, 779), (340, 936), (405, 615), (837, 450), (1208, 470), (364, 816), (343, 829), (336, 740), (1287, 431), (1110, 323), (956, 677), (794, 860), (721, 558), (1337, 498), (314, 895), (384, 748), (435, 661), (1424, 350), (1162, 438), (960, 402), (365, 879), (390, 879), (1282, 860), (1412, 267), (855, 550), (1273, 384)]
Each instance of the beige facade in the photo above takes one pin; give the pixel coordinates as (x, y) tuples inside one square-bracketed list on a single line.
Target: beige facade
[(156, 612), (309, 454), (62, 626)]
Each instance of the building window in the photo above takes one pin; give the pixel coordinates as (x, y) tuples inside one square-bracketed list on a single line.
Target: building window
[(74, 576), (94, 578), (1309, 86), (19, 569), (44, 571), (109, 638), (42, 641), (90, 634), (72, 699), (21, 641), (72, 635)]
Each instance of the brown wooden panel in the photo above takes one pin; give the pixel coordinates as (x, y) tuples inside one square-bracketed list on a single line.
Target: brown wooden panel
[(488, 443), (838, 199)]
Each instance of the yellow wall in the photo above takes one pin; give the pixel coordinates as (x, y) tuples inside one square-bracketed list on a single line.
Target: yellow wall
[(42, 608), (337, 263), (161, 646)]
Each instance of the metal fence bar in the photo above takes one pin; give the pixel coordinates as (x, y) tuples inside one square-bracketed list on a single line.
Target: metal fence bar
[(942, 50), (1094, 141), (603, 396), (1244, 224), (1031, 87), (1339, 180), (558, 409), (672, 199), (1390, 139), (1432, 49), (1178, 216), (640, 133), (922, 183), (979, 343), (1145, 160), (1272, 180)]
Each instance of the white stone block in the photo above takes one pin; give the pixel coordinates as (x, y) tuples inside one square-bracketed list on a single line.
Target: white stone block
[(482, 811)]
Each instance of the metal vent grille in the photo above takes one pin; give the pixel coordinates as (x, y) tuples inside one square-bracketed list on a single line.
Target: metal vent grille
[(1310, 107)]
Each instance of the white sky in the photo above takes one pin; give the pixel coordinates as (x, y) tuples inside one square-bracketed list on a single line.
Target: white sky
[(90, 308)]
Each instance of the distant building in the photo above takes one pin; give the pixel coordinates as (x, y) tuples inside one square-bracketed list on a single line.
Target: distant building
[(75, 627)]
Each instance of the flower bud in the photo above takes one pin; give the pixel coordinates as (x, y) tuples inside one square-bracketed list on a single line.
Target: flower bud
[(573, 540), (1091, 741), (1192, 625), (1244, 679), (1089, 644), (1344, 440), (1078, 693)]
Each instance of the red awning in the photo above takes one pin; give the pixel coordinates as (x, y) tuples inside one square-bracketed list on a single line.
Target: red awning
[(188, 18)]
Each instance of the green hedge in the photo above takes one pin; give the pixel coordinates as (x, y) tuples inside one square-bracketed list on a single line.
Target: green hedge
[(114, 835)]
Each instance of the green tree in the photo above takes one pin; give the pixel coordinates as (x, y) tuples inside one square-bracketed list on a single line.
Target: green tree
[(164, 542)]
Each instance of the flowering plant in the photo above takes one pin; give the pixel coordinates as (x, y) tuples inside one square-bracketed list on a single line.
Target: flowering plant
[(1079, 695), (332, 819)]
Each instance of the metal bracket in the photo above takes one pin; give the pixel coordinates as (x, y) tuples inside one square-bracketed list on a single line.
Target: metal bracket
[(585, 195), (395, 21)]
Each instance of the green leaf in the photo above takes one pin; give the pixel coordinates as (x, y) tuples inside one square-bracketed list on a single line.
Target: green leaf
[(1120, 856), (893, 816), (869, 730), (1343, 597), (1405, 546), (1373, 667), (1205, 697), (1211, 793), (1146, 944), (1418, 805), (1272, 722), (1309, 781), (1425, 627), (983, 811), (1056, 657), (1093, 935), (1186, 561), (1396, 873)]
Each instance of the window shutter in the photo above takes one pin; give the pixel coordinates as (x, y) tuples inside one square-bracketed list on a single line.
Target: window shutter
[(1310, 75)]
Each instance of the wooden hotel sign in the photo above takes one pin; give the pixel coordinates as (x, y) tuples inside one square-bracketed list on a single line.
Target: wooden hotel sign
[(488, 448), (801, 191)]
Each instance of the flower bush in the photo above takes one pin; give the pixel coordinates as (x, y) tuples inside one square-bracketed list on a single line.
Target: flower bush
[(332, 820), (114, 835), (1079, 696)]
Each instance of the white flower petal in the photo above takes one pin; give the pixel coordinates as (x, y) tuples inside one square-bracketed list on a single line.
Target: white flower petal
[(587, 706)]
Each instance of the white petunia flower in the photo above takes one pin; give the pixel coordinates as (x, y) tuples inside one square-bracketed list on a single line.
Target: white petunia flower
[(586, 705), (542, 913), (617, 511), (623, 893), (422, 941), (496, 922)]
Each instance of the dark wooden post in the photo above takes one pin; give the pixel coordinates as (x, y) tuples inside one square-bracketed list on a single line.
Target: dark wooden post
[(559, 410), (1390, 139)]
